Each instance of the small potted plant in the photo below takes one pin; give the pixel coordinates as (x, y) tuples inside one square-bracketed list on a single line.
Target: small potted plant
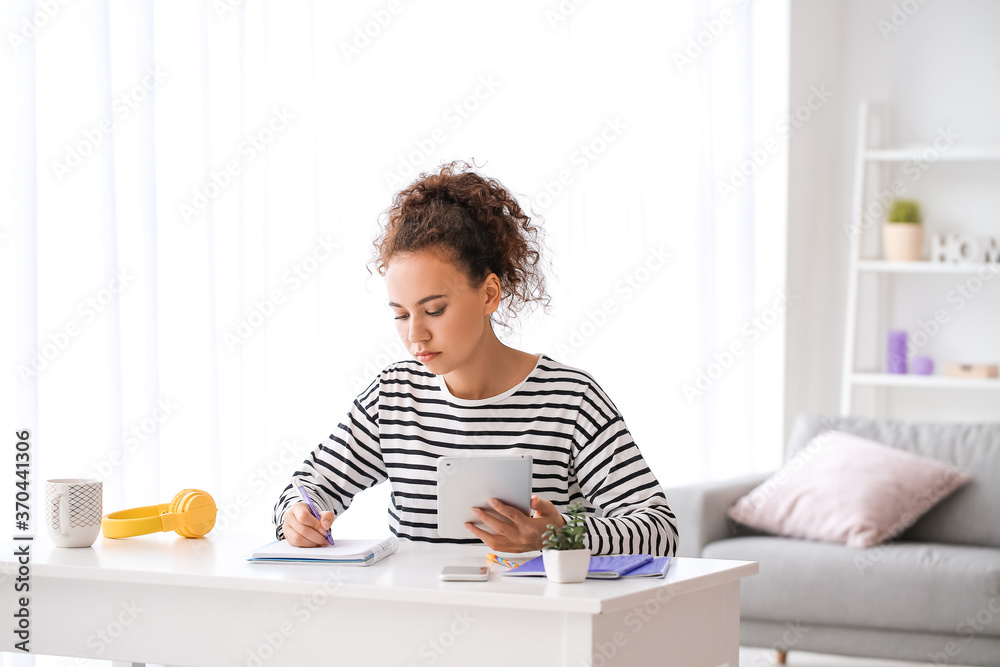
[(903, 234), (565, 558)]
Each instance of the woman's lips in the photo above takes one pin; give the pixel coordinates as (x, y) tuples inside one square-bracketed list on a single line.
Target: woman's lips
[(424, 357)]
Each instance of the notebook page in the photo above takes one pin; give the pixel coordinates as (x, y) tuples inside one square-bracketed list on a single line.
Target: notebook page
[(342, 550)]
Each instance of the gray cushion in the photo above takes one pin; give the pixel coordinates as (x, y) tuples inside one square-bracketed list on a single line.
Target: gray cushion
[(969, 515), (897, 586)]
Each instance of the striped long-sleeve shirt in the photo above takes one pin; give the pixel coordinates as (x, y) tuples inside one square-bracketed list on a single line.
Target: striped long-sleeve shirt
[(581, 450)]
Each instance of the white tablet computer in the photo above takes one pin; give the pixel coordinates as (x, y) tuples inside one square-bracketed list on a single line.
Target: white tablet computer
[(464, 482)]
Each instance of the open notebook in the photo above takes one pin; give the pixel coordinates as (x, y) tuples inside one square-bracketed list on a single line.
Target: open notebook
[(344, 552), (604, 567)]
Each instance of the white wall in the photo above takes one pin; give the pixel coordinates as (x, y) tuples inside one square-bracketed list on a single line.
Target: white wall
[(940, 68), (815, 205)]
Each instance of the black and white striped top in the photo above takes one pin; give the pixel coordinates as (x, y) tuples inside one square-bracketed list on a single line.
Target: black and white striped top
[(581, 450)]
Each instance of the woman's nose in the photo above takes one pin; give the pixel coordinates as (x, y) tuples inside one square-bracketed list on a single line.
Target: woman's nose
[(418, 332)]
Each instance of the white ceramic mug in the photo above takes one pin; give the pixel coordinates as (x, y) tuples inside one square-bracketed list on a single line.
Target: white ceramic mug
[(73, 511)]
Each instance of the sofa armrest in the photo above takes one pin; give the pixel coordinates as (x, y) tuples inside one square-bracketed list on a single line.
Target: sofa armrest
[(700, 510)]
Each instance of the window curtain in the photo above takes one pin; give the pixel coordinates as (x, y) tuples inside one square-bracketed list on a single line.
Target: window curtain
[(192, 190)]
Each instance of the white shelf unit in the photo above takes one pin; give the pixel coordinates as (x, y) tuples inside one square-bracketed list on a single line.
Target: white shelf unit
[(864, 157), (885, 266), (929, 381), (958, 153)]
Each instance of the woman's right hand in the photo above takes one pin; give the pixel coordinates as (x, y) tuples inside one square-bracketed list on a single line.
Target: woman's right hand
[(302, 529)]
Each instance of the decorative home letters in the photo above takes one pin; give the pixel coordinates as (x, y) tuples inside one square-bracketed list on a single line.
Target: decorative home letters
[(964, 249)]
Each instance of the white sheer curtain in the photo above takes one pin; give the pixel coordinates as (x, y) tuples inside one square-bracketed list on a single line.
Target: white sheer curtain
[(193, 188)]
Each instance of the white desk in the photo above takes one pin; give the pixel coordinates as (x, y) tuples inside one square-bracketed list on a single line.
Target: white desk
[(169, 600)]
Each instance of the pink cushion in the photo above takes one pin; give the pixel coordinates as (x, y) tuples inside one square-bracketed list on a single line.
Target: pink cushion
[(842, 488)]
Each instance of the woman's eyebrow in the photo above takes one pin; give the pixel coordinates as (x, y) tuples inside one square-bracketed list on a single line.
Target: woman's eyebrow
[(424, 300)]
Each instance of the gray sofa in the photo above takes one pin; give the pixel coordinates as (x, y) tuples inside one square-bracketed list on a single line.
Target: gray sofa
[(932, 595)]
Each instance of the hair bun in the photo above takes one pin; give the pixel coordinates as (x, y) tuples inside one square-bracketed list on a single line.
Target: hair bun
[(475, 218)]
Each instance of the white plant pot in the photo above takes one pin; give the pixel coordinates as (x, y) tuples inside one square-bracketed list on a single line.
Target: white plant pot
[(903, 241), (566, 567)]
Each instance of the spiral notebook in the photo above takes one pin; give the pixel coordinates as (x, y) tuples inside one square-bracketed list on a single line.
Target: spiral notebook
[(604, 567), (345, 552)]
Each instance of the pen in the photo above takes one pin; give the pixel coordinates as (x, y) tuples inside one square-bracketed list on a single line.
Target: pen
[(312, 509), (502, 561)]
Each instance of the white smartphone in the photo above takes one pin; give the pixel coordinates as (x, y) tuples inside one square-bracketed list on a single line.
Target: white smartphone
[(464, 573)]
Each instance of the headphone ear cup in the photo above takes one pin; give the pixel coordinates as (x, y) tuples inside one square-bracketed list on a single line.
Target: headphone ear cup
[(199, 508), (175, 504)]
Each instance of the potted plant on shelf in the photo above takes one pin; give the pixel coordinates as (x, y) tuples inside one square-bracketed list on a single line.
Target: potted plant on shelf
[(563, 554), (903, 234)]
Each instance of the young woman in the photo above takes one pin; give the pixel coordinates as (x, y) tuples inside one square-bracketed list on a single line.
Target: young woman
[(456, 248)]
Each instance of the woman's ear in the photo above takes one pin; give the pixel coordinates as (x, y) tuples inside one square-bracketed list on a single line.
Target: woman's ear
[(491, 293)]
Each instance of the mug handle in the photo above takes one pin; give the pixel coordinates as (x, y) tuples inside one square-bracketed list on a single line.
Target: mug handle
[(64, 511)]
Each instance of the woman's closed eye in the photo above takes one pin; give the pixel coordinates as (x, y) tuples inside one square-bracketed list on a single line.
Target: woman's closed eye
[(439, 311)]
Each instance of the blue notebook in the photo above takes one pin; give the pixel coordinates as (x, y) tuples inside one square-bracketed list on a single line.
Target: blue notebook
[(604, 567)]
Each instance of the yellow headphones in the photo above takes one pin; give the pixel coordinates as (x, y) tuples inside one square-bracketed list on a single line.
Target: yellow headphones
[(191, 514)]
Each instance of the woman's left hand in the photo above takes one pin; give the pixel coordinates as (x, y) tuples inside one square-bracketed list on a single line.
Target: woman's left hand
[(519, 532)]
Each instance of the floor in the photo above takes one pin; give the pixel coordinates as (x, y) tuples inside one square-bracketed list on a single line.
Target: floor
[(749, 657), (752, 657)]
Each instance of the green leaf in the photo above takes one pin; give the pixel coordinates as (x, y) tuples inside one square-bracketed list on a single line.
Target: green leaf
[(571, 535)]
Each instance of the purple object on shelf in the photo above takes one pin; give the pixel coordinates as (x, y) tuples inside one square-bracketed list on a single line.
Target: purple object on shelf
[(897, 351), (923, 365)]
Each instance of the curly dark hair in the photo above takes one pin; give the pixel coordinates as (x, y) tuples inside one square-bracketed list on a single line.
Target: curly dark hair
[(474, 220)]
